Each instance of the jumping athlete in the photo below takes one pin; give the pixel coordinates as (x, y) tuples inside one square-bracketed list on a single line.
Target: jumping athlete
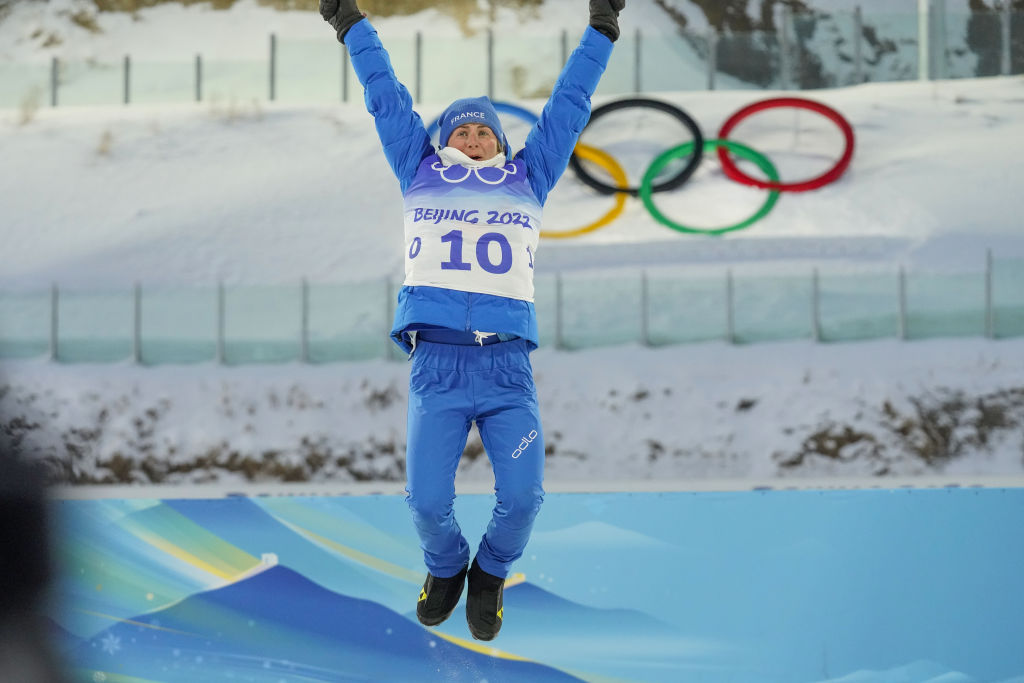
[(465, 311)]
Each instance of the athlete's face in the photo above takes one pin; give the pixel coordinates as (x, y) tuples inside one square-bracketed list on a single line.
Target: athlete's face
[(475, 140)]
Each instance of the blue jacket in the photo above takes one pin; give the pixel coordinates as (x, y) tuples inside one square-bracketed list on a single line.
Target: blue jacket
[(406, 144)]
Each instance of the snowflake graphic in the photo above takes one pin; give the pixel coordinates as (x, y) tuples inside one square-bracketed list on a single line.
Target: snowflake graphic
[(111, 643)]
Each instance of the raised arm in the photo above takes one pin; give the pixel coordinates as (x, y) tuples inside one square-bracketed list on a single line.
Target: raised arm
[(400, 129), (552, 139)]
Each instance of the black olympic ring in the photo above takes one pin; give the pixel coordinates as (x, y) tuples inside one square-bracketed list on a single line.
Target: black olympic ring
[(670, 184)]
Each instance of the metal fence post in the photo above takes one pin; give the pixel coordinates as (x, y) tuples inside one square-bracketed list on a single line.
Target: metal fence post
[(559, 341), (220, 323), (923, 35), (304, 324), (858, 42), (137, 325), (54, 80), (490, 63), (785, 58), (712, 57), (418, 52), (389, 300), (127, 79), (54, 322), (815, 306), (1005, 62), (637, 64), (990, 318), (199, 78), (730, 322), (902, 293), (344, 73), (645, 310), (939, 38), (273, 65)]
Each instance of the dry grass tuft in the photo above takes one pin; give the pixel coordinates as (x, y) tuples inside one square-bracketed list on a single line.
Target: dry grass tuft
[(29, 106), (234, 111), (86, 20), (106, 144)]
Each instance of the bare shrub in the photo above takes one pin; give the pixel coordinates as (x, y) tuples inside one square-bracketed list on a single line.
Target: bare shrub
[(937, 427), (838, 443)]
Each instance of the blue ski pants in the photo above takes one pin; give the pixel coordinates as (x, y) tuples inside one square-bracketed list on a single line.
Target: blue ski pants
[(450, 387)]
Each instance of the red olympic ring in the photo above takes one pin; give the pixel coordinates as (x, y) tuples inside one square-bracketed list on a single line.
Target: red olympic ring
[(733, 172)]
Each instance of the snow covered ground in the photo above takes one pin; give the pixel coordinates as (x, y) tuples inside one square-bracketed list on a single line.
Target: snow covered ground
[(186, 195)]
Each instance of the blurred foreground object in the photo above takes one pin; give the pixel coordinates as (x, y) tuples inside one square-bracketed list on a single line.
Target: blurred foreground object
[(26, 651)]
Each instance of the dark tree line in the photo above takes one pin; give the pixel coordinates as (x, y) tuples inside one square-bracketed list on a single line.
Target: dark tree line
[(984, 36), (749, 41)]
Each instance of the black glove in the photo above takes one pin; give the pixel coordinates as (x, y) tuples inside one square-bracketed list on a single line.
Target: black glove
[(604, 16), (341, 15)]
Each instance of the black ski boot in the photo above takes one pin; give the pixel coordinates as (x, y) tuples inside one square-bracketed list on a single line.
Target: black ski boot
[(484, 603), (439, 597)]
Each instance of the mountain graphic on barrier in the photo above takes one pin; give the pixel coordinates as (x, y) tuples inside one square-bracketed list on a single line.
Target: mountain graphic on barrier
[(535, 603), (537, 614), (249, 527), (581, 639), (253, 629)]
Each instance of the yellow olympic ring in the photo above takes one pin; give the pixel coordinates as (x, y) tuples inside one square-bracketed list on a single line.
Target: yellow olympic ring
[(618, 174)]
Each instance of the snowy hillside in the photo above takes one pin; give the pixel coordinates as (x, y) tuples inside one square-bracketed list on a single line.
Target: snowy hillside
[(192, 194)]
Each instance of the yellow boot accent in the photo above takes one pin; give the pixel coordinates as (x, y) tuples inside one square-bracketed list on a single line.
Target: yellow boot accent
[(423, 595)]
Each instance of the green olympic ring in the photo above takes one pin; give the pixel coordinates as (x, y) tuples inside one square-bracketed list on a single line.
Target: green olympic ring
[(742, 151)]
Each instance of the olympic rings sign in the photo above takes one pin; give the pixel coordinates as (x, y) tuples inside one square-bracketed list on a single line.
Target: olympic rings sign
[(694, 151)]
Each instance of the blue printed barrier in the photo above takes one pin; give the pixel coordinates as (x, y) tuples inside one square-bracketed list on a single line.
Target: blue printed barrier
[(771, 586)]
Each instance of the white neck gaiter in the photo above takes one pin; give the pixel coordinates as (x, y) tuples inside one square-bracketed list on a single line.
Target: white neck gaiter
[(451, 157)]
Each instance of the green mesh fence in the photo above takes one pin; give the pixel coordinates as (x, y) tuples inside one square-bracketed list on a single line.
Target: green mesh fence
[(335, 322), (871, 46)]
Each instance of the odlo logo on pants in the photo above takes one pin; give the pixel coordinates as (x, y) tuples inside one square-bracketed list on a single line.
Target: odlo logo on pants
[(525, 443)]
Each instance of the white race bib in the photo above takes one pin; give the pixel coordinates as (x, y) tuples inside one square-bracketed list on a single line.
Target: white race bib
[(472, 226), (490, 258)]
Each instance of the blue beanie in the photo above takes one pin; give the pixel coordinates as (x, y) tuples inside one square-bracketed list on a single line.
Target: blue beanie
[(472, 110)]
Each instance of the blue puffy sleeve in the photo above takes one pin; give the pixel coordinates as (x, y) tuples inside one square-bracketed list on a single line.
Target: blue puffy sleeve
[(400, 129), (552, 139)]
